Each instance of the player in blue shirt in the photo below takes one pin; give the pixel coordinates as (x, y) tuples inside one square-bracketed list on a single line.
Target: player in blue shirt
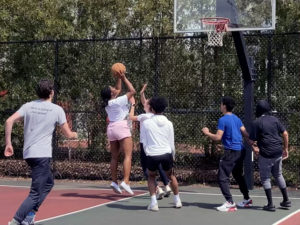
[(231, 131)]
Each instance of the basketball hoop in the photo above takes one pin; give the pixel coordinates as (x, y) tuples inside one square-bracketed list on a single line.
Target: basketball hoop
[(217, 27)]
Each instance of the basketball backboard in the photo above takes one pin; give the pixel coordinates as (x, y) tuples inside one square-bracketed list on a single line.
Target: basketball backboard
[(243, 14)]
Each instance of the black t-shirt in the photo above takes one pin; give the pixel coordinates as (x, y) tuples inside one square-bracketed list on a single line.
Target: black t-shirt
[(267, 131)]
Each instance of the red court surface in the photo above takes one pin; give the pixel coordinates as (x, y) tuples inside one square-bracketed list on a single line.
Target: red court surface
[(292, 219), (57, 203)]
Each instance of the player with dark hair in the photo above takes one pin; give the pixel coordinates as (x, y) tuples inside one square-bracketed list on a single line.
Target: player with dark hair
[(230, 131), (40, 119), (158, 133)]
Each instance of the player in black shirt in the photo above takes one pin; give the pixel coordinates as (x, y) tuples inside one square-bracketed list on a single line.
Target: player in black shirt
[(272, 147)]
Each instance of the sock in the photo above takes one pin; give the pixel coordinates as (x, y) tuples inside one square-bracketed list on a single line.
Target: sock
[(284, 194), (176, 198), (153, 200), (269, 196)]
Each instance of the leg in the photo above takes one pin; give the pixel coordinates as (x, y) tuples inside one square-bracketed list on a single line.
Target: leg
[(173, 183), (238, 174), (143, 158), (40, 174), (277, 174), (265, 167), (115, 152), (226, 165), (126, 145), (163, 175)]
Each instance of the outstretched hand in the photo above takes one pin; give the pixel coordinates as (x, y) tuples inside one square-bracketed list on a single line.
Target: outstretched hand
[(9, 150), (144, 88)]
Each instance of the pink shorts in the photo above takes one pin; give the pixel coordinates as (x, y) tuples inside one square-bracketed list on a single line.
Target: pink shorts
[(118, 130)]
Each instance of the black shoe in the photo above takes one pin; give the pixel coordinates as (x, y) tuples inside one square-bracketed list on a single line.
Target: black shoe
[(286, 204), (270, 208)]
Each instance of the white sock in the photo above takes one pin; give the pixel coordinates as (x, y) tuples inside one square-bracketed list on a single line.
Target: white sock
[(153, 200), (176, 198)]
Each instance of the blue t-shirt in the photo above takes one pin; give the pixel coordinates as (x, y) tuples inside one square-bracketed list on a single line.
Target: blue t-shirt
[(232, 136)]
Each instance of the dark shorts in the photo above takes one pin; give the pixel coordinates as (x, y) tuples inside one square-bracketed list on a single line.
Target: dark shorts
[(165, 160)]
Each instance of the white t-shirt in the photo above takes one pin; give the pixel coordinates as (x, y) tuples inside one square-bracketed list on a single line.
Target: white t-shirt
[(117, 109), (40, 119), (141, 118), (158, 133)]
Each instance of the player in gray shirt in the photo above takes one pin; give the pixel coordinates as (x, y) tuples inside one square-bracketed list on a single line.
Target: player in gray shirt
[(40, 119)]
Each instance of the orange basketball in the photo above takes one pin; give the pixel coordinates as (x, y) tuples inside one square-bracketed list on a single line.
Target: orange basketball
[(117, 69)]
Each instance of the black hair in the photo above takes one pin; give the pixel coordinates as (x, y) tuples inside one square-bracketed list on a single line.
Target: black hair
[(105, 95), (262, 107), (44, 88), (158, 104), (229, 103)]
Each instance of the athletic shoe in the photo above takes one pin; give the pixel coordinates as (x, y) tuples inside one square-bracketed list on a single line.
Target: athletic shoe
[(167, 190), (159, 193), (227, 207), (115, 187), (245, 203), (126, 187), (13, 222), (270, 208), (153, 208), (29, 219), (286, 204), (178, 204)]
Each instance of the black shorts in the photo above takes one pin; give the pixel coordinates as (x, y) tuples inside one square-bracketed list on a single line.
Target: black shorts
[(165, 160)]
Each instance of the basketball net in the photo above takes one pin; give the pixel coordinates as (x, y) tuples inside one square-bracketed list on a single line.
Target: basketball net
[(217, 27)]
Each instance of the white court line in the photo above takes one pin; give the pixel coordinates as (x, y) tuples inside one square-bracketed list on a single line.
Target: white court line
[(181, 192), (285, 218), (82, 210), (213, 194)]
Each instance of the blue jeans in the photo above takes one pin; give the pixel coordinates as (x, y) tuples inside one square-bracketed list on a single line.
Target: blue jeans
[(41, 185)]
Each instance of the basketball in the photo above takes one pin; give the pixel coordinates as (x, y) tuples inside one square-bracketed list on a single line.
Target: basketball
[(117, 69)]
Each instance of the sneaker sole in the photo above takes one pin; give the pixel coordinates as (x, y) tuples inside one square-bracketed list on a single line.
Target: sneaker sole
[(167, 194), (233, 209)]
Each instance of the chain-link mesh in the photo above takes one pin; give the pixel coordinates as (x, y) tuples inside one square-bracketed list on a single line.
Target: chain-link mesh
[(190, 74)]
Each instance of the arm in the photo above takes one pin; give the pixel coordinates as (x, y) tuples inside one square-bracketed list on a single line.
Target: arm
[(67, 131), (131, 113), (131, 91), (9, 151), (246, 136), (285, 137), (172, 141), (118, 85), (142, 93), (215, 137)]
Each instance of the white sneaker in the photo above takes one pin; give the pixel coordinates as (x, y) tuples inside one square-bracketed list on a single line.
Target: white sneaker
[(153, 208), (126, 187), (245, 203), (178, 204), (167, 191), (116, 187), (159, 193), (227, 207)]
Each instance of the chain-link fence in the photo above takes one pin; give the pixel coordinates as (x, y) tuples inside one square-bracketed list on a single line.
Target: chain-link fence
[(192, 76)]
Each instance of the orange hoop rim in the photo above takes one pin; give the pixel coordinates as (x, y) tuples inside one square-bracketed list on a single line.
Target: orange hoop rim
[(215, 20)]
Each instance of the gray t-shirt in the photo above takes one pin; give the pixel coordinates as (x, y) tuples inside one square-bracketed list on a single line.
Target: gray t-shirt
[(40, 119)]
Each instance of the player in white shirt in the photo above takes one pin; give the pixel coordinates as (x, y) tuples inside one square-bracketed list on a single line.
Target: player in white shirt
[(141, 118), (158, 133), (118, 131)]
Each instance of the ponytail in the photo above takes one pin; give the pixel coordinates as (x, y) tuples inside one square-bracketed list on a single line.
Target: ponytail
[(106, 96)]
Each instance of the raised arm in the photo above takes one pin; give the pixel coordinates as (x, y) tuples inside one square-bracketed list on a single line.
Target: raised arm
[(118, 85), (142, 93), (131, 90), (131, 112), (9, 151)]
